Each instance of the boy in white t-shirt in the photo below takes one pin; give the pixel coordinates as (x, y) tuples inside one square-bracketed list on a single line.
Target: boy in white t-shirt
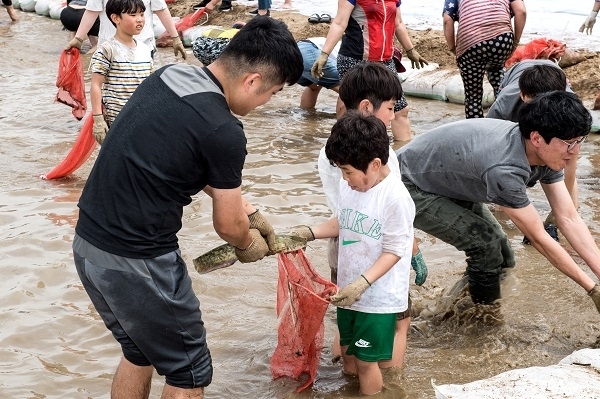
[(371, 89), (119, 65), (375, 230)]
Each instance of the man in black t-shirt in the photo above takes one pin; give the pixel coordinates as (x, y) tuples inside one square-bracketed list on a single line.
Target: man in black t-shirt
[(175, 136)]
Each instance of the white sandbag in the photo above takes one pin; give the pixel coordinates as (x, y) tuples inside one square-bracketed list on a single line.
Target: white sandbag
[(17, 4), (428, 82), (190, 35), (158, 27), (455, 91), (56, 8), (42, 7), (575, 377), (28, 5)]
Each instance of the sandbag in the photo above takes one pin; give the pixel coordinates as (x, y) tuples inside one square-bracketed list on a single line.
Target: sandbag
[(190, 35), (301, 306), (455, 91), (80, 152), (42, 7), (56, 8), (426, 84), (28, 5), (16, 4), (71, 87)]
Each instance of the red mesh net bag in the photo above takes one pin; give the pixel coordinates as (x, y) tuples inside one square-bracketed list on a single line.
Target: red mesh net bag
[(71, 87), (541, 48), (301, 307), (81, 151), (183, 24)]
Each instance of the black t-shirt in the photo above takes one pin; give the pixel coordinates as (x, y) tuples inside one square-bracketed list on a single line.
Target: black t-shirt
[(174, 136)]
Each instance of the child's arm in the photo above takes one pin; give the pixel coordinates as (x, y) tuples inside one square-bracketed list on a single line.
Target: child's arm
[(100, 128), (328, 229), (353, 291), (96, 93)]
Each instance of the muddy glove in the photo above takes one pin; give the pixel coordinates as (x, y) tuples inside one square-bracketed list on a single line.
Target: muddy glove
[(595, 294), (75, 42), (317, 69), (258, 222), (351, 293), (420, 268), (178, 47), (257, 249), (100, 128), (588, 25), (416, 61), (303, 232)]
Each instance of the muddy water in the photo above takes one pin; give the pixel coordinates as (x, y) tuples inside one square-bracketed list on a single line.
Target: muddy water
[(53, 345)]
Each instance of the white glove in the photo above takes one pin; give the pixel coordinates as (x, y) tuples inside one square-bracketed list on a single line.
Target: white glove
[(588, 25)]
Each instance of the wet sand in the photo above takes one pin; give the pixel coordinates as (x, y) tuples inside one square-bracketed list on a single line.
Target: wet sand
[(53, 344)]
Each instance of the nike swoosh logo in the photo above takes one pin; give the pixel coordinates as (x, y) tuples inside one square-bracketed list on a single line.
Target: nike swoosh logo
[(348, 242)]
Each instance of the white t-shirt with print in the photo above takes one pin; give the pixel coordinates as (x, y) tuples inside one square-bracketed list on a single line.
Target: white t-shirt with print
[(371, 223)]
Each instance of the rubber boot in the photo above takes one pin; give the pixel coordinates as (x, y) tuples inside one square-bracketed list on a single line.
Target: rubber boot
[(484, 287), (12, 13)]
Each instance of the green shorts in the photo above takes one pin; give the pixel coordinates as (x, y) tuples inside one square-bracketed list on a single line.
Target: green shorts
[(368, 336)]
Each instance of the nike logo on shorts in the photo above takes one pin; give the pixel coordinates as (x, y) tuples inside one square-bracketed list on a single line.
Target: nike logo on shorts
[(361, 343), (348, 242)]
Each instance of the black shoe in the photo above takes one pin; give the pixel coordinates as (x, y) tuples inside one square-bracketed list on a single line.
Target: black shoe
[(550, 229), (225, 7), (253, 12), (268, 14), (200, 5)]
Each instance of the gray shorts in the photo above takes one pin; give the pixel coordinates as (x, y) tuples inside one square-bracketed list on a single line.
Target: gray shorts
[(151, 310)]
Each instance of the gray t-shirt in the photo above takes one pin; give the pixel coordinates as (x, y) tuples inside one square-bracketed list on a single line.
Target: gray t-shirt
[(508, 102), (476, 160)]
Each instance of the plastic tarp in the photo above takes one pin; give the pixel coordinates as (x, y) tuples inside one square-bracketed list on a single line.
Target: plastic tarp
[(301, 307)]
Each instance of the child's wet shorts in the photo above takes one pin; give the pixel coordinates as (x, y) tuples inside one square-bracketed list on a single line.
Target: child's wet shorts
[(369, 336), (151, 309)]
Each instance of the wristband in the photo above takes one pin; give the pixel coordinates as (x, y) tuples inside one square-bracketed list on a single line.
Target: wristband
[(80, 40), (96, 114), (323, 52), (411, 49), (366, 279)]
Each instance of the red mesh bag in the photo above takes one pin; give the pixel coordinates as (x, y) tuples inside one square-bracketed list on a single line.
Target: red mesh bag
[(541, 48), (184, 23), (71, 87), (301, 307), (81, 151)]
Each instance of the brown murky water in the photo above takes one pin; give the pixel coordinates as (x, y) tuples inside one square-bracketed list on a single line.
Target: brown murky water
[(53, 345)]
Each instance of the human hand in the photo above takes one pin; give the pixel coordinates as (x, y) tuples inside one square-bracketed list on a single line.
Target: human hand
[(317, 69), (303, 232), (178, 47), (257, 249), (351, 293), (418, 264), (258, 222), (595, 294), (416, 61), (588, 25), (100, 128), (74, 42)]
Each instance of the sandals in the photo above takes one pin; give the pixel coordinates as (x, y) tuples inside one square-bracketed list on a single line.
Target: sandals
[(316, 18)]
